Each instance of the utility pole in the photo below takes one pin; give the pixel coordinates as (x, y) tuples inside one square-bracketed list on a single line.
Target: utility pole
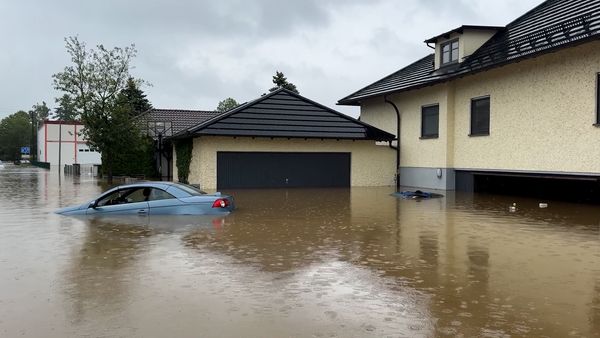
[(32, 140), (59, 148)]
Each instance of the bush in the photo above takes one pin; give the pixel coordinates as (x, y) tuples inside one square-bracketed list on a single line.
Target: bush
[(183, 149), (136, 160)]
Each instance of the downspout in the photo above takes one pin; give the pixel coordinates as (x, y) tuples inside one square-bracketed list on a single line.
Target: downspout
[(398, 141)]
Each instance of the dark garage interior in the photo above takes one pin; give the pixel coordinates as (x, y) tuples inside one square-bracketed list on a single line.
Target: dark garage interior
[(282, 170), (580, 189)]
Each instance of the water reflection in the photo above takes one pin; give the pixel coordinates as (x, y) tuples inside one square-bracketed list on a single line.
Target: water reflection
[(101, 271), (595, 308), (316, 262)]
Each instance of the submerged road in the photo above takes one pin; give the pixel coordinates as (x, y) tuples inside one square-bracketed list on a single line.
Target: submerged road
[(298, 263)]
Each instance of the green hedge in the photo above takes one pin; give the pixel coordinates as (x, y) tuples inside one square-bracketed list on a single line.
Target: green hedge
[(183, 149), (44, 165)]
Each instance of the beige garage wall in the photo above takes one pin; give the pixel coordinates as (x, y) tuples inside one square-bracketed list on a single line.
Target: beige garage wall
[(542, 113), (371, 165)]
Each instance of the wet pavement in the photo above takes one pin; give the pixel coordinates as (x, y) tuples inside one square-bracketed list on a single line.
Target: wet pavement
[(297, 263)]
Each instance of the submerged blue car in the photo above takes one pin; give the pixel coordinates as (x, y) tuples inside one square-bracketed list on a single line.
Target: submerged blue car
[(154, 198)]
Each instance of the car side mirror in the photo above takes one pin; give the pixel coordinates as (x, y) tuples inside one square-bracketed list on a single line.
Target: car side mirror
[(92, 205)]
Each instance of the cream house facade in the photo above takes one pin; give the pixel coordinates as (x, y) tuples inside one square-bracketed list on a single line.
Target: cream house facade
[(518, 100)]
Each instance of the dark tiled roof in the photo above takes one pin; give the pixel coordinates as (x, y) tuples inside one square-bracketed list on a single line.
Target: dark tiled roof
[(553, 25), (283, 113), (180, 119)]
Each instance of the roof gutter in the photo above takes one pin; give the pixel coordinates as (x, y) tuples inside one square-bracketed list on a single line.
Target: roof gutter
[(397, 148)]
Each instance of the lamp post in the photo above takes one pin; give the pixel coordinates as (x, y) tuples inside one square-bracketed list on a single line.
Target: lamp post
[(160, 129)]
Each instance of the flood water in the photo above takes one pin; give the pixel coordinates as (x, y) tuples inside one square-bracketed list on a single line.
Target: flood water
[(297, 263)]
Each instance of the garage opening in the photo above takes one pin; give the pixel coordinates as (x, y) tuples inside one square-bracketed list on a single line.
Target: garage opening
[(282, 170), (580, 189)]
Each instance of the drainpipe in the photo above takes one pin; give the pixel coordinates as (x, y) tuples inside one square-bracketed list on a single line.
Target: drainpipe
[(397, 139)]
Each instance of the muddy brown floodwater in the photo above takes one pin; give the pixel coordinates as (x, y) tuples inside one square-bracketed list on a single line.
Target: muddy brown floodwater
[(297, 263)]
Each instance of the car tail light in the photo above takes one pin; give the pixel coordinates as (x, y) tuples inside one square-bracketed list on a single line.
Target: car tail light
[(221, 203)]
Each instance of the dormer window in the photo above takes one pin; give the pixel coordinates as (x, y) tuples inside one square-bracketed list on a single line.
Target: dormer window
[(449, 52)]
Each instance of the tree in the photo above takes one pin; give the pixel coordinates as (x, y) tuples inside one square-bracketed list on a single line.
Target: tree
[(227, 104), (66, 110), (14, 134), (37, 114), (135, 97), (281, 81), (132, 102), (94, 80), (40, 112)]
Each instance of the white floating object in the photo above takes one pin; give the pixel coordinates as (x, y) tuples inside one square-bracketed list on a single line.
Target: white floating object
[(513, 207), (543, 205)]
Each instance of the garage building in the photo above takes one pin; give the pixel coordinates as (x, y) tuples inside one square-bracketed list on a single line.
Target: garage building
[(283, 139)]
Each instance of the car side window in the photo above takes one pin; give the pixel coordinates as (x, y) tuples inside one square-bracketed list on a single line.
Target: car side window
[(117, 197), (137, 195), (159, 194), (125, 196)]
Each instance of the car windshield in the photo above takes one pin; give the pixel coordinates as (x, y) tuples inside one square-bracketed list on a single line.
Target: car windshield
[(190, 189)]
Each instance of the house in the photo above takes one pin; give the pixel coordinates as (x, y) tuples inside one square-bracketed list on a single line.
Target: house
[(283, 139), (493, 105), (160, 124), (68, 137)]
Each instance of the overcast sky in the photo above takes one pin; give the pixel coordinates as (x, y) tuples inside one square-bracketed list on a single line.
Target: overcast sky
[(198, 52)]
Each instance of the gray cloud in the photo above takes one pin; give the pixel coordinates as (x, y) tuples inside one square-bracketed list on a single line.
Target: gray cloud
[(196, 53)]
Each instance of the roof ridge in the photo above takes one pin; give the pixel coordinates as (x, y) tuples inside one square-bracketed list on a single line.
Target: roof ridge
[(184, 110), (230, 112), (521, 17), (548, 27)]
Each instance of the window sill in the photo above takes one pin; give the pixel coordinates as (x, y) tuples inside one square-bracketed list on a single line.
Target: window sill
[(597, 125), (429, 137), (479, 134)]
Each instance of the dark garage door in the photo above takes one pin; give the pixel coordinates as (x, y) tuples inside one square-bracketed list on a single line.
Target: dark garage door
[(278, 170)]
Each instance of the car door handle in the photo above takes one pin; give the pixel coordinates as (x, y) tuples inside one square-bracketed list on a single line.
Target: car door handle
[(142, 212)]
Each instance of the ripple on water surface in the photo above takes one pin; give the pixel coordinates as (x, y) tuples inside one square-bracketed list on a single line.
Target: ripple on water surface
[(302, 262)]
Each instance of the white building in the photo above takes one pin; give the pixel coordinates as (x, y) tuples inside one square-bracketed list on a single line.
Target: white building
[(67, 136)]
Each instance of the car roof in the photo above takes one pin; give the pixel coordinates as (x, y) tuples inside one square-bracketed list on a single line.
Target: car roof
[(154, 184)]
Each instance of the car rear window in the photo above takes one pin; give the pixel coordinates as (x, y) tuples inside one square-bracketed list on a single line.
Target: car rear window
[(190, 189)]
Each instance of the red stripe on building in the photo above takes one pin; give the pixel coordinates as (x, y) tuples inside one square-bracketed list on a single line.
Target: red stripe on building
[(45, 142)]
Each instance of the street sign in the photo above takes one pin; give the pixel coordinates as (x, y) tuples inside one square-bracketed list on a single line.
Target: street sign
[(24, 150)]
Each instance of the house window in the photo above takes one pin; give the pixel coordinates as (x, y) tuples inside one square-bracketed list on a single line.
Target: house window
[(430, 118), (449, 52), (480, 116)]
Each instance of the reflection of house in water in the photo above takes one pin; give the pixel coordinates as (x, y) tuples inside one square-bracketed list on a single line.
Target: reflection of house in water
[(293, 229), (595, 308), (98, 281), (483, 266)]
